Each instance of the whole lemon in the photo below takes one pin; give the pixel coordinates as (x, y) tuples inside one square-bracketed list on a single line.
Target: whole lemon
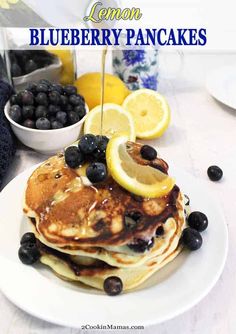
[(89, 85)]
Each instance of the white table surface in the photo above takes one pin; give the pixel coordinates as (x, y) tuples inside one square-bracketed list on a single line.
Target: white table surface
[(202, 133)]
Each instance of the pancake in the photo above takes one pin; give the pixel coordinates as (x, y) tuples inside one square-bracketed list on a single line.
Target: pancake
[(95, 275), (70, 213), (172, 231), (86, 232)]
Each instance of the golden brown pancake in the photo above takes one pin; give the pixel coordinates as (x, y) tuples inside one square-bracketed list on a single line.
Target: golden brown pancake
[(70, 214)]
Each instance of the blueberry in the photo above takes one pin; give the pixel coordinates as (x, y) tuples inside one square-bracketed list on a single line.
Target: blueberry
[(56, 125), (28, 111), (61, 117), (28, 237), (64, 100), (54, 97), (57, 87), (27, 98), (29, 123), (73, 157), (73, 117), (30, 66), (41, 111), (80, 110), (113, 285), (19, 97), (215, 173), (70, 90), (75, 100), (15, 113), (52, 109), (16, 70), (140, 245), (42, 99), (14, 99), (191, 238), (31, 87), (100, 152), (42, 88), (131, 219), (88, 143), (45, 82), (198, 221), (28, 253), (43, 123), (186, 200), (160, 231), (148, 152), (68, 107), (96, 172)]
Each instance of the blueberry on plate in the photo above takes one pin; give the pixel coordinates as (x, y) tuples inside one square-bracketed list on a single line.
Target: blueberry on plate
[(80, 110), (61, 117), (96, 172), (191, 238), (140, 245), (56, 125), (42, 88), (28, 253), (148, 152), (160, 231), (29, 123), (186, 200), (28, 237), (28, 112), (88, 143), (214, 173), (43, 123), (100, 152), (73, 117), (27, 98), (70, 90), (54, 97), (73, 157), (198, 221), (15, 113), (42, 99), (113, 285), (40, 111)]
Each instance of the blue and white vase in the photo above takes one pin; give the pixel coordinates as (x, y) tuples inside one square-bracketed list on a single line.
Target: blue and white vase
[(136, 68)]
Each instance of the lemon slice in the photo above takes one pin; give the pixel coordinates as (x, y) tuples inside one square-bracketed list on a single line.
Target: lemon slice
[(115, 121), (150, 112), (141, 180)]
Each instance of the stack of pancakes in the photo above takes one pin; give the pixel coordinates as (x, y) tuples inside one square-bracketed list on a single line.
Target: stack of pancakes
[(90, 232)]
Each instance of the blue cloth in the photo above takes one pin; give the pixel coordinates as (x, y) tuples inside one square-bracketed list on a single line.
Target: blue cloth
[(7, 146)]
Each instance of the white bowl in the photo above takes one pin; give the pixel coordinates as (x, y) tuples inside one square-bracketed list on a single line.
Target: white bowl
[(46, 141)]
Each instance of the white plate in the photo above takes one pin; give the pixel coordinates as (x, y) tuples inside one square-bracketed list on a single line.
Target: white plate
[(221, 84), (171, 291)]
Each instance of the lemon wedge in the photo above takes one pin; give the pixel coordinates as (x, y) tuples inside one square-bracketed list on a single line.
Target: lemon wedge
[(150, 112), (141, 180), (115, 121)]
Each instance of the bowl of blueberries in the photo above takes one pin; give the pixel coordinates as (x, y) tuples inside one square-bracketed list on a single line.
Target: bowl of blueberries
[(47, 116)]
